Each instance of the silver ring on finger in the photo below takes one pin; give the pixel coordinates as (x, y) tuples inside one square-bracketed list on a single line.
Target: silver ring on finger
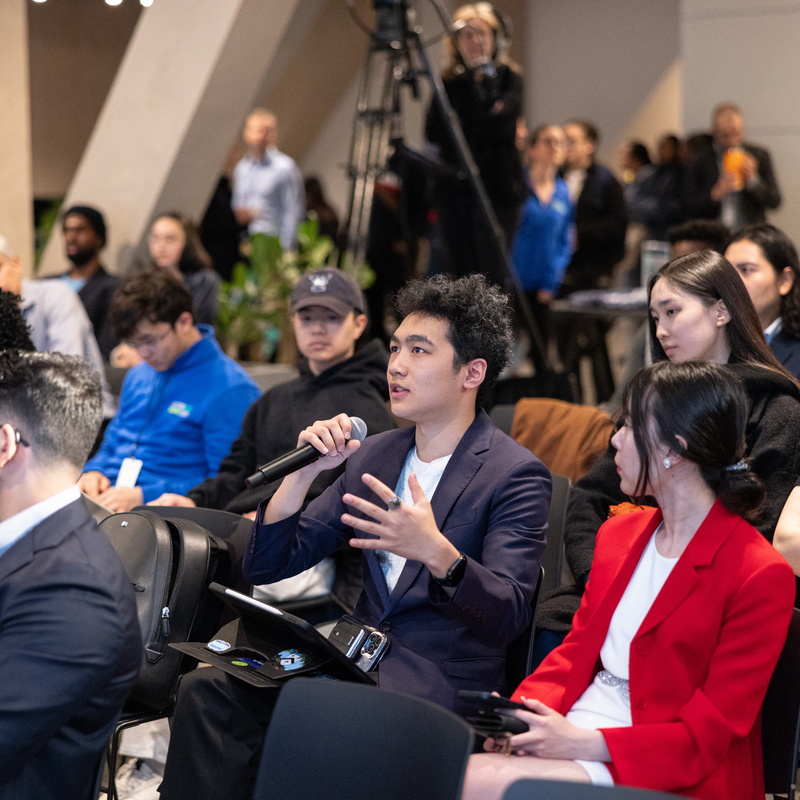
[(394, 503)]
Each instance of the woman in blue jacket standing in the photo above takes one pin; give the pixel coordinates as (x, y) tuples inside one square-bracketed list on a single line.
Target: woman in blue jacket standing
[(543, 244)]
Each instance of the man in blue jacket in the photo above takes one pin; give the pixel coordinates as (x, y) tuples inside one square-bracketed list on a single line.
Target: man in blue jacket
[(179, 410)]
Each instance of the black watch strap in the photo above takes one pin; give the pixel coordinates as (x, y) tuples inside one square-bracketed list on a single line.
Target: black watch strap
[(455, 573)]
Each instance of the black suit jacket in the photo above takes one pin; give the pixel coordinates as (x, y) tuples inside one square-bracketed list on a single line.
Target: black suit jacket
[(601, 220), (703, 172), (70, 650), (787, 350), (96, 298), (491, 503)]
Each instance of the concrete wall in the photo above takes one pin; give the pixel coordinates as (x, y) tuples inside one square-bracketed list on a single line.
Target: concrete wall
[(16, 212), (614, 62), (745, 51), (75, 50), (174, 107)]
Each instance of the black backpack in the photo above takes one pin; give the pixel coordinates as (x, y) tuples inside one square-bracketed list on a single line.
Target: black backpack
[(170, 563)]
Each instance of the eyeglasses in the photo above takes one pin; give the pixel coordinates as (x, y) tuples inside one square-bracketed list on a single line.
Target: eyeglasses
[(147, 342)]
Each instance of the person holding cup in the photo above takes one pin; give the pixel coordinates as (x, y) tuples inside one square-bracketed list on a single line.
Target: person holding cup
[(733, 181)]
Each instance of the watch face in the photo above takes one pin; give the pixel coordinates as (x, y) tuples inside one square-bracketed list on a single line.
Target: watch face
[(455, 573)]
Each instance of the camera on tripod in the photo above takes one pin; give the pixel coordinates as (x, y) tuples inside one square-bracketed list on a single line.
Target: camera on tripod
[(391, 25)]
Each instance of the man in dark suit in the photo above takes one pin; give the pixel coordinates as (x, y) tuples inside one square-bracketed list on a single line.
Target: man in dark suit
[(70, 646), (450, 514), (733, 181)]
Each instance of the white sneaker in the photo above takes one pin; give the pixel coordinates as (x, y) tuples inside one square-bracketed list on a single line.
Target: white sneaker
[(136, 780)]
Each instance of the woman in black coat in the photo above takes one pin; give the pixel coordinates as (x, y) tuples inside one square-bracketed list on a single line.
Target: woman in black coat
[(699, 309), (484, 88)]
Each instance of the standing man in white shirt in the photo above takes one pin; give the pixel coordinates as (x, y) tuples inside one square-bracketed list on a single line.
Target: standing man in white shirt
[(268, 193)]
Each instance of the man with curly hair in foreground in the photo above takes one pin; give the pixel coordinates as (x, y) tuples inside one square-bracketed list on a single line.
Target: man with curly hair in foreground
[(450, 514)]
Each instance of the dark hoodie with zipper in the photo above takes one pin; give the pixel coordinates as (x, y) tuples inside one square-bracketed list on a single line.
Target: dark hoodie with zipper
[(356, 387), (773, 449)]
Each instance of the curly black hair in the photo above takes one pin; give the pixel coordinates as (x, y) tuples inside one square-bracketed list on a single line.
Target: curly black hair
[(477, 314), (15, 334)]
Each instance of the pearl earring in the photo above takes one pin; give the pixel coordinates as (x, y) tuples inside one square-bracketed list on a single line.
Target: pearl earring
[(667, 463)]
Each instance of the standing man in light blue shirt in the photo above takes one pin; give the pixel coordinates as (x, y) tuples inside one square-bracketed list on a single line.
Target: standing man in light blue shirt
[(268, 194)]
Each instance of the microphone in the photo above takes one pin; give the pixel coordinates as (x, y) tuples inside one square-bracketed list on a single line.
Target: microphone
[(298, 458), (487, 67)]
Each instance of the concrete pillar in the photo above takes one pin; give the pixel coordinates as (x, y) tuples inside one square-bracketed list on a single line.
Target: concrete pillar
[(190, 74), (16, 197)]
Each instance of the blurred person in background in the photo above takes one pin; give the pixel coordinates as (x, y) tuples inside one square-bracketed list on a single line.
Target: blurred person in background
[(543, 243), (485, 90), (174, 245)]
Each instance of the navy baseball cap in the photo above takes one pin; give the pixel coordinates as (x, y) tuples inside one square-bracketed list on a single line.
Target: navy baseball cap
[(330, 288)]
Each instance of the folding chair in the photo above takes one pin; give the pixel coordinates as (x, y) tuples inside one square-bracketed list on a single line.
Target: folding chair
[(518, 655)]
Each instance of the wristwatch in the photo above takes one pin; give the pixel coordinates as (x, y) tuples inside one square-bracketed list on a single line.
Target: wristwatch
[(455, 572)]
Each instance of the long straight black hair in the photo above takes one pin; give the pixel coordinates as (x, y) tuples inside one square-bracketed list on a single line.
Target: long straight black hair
[(705, 405), (710, 277), (779, 251)]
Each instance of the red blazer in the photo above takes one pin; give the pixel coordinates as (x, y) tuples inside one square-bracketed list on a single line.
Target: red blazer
[(699, 664)]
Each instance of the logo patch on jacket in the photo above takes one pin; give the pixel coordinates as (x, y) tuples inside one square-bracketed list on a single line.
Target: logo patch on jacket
[(179, 409)]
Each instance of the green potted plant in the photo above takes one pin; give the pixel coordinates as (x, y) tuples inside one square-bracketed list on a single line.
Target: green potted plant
[(253, 316)]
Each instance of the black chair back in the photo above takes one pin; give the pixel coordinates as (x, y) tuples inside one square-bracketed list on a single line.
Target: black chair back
[(519, 655), (780, 718), (563, 790), (348, 741), (553, 557)]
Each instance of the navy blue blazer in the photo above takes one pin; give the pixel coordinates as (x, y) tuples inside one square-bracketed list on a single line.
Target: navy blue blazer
[(787, 350), (491, 503), (70, 650)]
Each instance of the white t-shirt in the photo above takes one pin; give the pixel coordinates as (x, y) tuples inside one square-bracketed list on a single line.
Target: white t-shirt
[(428, 474)]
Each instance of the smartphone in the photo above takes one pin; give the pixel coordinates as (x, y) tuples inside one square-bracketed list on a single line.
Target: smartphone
[(489, 702), (359, 642)]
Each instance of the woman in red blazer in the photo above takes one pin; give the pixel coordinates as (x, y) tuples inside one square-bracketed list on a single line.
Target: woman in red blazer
[(661, 680)]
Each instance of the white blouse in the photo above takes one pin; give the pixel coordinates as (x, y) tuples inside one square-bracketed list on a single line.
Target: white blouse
[(606, 701)]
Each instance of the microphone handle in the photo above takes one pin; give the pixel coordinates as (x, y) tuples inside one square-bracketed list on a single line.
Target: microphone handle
[(281, 467), (298, 458)]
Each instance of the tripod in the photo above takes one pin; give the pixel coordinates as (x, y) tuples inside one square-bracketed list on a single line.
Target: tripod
[(397, 57)]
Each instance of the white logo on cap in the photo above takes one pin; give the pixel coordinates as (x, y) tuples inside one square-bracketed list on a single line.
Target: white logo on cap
[(319, 283)]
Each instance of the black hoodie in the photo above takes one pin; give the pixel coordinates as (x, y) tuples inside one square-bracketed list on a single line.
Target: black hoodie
[(356, 387)]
